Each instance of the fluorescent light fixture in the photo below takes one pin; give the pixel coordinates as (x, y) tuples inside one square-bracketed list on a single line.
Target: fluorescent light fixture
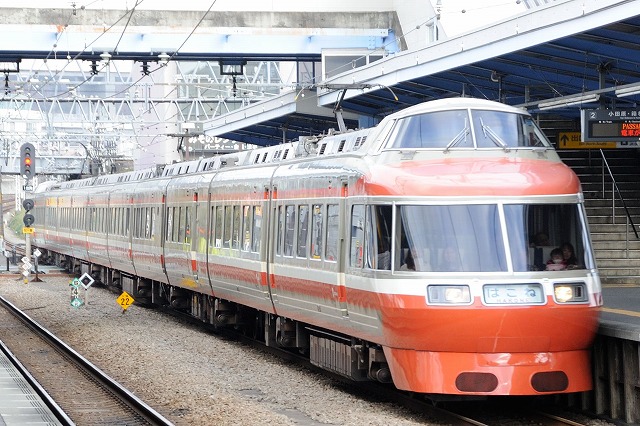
[(569, 101), (631, 90)]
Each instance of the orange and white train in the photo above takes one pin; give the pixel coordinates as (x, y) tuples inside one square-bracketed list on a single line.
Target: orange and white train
[(401, 253)]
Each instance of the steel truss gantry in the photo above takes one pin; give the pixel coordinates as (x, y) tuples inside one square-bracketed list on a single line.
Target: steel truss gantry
[(91, 117)]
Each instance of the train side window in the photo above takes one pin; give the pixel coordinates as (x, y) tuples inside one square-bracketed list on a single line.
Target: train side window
[(187, 224), (357, 236), (247, 222), (212, 227), (303, 230), (333, 226), (378, 237), (169, 223), (316, 231), (257, 228), (126, 220), (228, 221), (180, 219), (280, 232), (219, 226), (147, 222), (290, 225), (153, 219), (237, 227)]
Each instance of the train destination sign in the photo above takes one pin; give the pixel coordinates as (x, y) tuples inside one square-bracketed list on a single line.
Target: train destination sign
[(618, 125)]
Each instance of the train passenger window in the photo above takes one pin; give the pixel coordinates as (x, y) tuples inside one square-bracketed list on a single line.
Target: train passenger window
[(147, 222), (257, 227), (237, 227), (280, 232), (246, 228), (219, 226), (303, 231), (169, 236), (228, 221), (180, 222), (289, 230), (187, 225), (212, 227), (378, 237), (153, 221), (333, 226), (316, 232), (357, 236)]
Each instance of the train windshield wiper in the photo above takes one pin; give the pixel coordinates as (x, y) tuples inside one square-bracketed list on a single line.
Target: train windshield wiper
[(493, 136), (461, 136)]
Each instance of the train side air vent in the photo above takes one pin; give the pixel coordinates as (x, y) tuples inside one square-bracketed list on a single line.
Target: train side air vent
[(264, 157), (323, 147), (286, 152), (341, 146), (276, 155)]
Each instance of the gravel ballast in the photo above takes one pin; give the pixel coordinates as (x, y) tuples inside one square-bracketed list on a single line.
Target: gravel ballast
[(189, 375)]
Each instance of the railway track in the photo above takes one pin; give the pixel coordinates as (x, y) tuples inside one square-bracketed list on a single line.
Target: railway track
[(83, 391)]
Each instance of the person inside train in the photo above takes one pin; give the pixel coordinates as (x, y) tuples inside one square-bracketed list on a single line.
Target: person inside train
[(556, 261), (409, 264), (569, 256), (540, 239)]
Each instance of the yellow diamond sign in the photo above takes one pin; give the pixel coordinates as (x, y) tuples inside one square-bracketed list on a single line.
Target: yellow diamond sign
[(125, 300)]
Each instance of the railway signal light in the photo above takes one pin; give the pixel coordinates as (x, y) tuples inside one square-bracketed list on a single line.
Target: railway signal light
[(27, 160), (28, 218)]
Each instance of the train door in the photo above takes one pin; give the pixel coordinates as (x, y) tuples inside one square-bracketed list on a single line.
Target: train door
[(270, 236), (342, 244), (271, 239)]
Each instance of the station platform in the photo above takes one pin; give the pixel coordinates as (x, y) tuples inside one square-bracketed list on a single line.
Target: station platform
[(620, 315), (20, 404)]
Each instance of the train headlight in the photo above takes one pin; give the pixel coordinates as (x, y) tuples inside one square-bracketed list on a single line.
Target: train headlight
[(570, 292), (448, 294)]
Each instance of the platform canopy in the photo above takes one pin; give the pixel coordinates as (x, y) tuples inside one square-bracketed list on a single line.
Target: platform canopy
[(552, 60)]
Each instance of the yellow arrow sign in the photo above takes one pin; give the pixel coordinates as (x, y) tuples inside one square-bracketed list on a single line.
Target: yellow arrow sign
[(573, 140)]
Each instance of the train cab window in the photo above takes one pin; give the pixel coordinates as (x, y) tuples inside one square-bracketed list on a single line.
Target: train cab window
[(455, 238), (357, 236), (535, 230), (316, 232), (332, 238), (303, 231), (441, 129), (503, 129), (289, 230), (256, 232), (246, 228)]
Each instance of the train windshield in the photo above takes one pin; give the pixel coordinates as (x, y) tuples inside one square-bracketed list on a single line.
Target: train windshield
[(467, 129), (470, 238)]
